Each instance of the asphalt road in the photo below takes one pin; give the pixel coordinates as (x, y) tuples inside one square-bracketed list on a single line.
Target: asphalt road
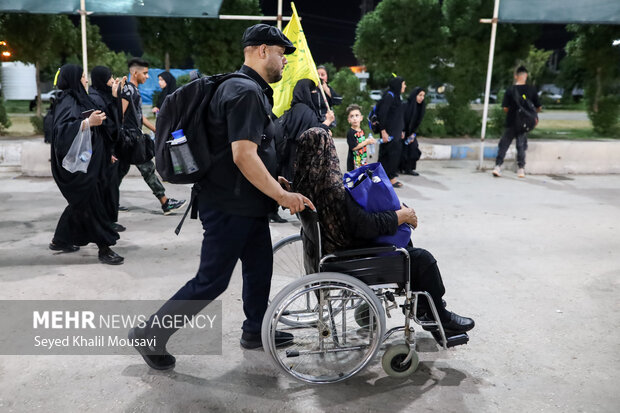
[(534, 261)]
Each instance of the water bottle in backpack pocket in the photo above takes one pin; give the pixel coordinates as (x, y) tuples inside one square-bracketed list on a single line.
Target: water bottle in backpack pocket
[(181, 156)]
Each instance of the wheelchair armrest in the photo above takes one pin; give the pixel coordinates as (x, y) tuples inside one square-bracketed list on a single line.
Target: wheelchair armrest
[(361, 251)]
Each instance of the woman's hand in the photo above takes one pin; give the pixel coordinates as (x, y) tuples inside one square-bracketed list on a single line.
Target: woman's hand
[(285, 183), (407, 216), (155, 110), (329, 118), (96, 118), (384, 136), (370, 141)]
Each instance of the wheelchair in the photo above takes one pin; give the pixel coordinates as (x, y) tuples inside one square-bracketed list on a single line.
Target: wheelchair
[(335, 306)]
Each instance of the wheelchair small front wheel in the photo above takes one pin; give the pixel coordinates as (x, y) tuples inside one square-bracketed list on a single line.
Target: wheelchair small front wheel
[(394, 356)]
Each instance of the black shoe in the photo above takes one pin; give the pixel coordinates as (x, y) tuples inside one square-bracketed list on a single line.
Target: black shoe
[(412, 172), (253, 340), (458, 324), (107, 256), (55, 246), (275, 218), (156, 359), (172, 205), (123, 208), (118, 227)]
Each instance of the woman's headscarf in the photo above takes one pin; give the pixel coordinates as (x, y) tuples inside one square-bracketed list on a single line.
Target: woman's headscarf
[(318, 177), (395, 85), (414, 111), (69, 81), (171, 86), (100, 75)]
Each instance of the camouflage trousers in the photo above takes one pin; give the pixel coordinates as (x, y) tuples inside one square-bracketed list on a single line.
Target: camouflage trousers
[(147, 170)]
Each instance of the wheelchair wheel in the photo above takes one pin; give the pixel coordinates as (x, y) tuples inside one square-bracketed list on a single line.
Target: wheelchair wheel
[(288, 262), (362, 314), (394, 356), (333, 347)]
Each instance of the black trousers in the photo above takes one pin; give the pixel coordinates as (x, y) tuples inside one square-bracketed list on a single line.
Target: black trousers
[(410, 155), (227, 239), (504, 144), (389, 156), (425, 276)]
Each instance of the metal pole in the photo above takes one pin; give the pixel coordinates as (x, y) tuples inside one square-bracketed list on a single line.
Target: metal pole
[(83, 24), (487, 89), (279, 24)]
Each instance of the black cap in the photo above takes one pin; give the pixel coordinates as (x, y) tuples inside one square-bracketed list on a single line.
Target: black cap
[(266, 34)]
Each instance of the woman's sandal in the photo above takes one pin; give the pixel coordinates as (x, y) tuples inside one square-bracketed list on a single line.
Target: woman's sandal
[(397, 184)]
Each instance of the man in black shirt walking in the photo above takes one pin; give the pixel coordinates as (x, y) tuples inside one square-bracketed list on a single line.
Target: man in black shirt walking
[(133, 118), (520, 90), (241, 192)]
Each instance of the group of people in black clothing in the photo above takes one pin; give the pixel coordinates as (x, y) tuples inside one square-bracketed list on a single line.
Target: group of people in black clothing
[(93, 197)]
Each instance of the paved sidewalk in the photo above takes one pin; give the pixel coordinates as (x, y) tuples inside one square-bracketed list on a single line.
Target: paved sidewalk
[(534, 261)]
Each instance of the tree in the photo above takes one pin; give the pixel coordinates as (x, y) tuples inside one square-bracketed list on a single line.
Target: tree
[(216, 44), (166, 39), (592, 50), (468, 56), (404, 37), (41, 39), (348, 85)]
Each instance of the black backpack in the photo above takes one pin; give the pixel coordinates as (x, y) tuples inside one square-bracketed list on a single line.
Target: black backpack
[(186, 108), (373, 117), (526, 116)]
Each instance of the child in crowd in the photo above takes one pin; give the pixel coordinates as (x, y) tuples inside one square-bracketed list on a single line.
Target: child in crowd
[(356, 139)]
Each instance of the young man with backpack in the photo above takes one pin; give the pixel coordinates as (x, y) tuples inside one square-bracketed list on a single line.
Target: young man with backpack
[(240, 190), (133, 119), (521, 105)]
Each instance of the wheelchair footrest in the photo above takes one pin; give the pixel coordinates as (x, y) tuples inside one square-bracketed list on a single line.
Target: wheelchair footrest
[(453, 340)]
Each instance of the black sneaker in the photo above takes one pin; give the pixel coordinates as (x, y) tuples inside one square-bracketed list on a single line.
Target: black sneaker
[(123, 208), (56, 246), (172, 205), (107, 256), (118, 227), (253, 340), (156, 359)]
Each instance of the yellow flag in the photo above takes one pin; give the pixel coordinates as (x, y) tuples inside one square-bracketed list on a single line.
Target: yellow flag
[(300, 66)]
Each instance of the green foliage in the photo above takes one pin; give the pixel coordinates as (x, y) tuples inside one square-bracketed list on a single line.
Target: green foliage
[(5, 122), (497, 118), (182, 80), (605, 119), (402, 36), (536, 63), (346, 84), (431, 125), (592, 52), (37, 124), (161, 37), (216, 44), (459, 120)]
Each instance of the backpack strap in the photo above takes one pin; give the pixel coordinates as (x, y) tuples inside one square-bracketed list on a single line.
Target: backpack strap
[(193, 206)]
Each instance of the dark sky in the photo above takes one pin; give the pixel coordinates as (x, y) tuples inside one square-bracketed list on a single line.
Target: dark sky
[(329, 26)]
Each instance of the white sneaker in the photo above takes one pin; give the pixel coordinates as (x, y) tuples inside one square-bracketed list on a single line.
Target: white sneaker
[(521, 173), (497, 171)]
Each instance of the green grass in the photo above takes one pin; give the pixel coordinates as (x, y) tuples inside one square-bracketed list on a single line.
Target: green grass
[(18, 106)]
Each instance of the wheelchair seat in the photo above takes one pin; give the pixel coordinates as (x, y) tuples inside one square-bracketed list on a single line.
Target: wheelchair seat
[(373, 265)]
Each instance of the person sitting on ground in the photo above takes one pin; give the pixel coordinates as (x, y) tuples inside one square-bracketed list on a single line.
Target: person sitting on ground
[(345, 225)]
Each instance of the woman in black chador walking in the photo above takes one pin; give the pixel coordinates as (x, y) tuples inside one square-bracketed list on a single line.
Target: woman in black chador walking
[(414, 110), (85, 219)]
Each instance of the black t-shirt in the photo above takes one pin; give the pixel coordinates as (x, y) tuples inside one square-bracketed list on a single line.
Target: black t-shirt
[(133, 114), (240, 109), (509, 101)]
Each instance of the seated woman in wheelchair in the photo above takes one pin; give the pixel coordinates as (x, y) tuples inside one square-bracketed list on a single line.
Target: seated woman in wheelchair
[(345, 225)]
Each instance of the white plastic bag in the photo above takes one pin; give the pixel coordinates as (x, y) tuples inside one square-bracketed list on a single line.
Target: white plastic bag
[(80, 152)]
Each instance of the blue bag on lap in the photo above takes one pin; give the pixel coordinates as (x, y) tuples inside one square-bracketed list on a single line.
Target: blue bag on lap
[(371, 188)]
